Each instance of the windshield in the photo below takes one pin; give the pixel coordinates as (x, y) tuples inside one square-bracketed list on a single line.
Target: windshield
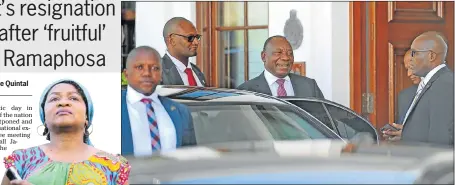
[(231, 123)]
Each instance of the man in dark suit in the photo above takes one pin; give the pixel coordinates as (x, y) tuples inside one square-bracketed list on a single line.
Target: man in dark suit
[(430, 117), (406, 95), (151, 123), (276, 79), (182, 41)]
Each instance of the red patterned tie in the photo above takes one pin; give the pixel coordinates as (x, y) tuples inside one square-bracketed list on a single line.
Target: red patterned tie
[(191, 79), (281, 90), (154, 132)]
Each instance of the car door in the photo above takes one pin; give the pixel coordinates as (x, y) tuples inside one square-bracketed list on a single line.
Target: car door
[(343, 121), (348, 122)]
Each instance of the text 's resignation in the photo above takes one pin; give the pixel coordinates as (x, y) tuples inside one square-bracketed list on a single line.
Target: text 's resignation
[(58, 35)]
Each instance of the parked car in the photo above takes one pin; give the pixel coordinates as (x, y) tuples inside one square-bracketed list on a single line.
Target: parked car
[(297, 162), (226, 115), (344, 121)]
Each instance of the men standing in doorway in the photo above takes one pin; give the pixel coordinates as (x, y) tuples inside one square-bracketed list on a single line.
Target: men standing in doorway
[(430, 117), (276, 80), (182, 41)]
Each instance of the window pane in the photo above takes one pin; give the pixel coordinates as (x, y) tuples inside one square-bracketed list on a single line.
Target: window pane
[(258, 13), (347, 123), (231, 14), (256, 39), (231, 66)]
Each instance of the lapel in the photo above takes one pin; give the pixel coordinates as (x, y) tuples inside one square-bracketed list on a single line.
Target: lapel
[(427, 86), (127, 147), (170, 72), (199, 74), (261, 85), (295, 86), (174, 114)]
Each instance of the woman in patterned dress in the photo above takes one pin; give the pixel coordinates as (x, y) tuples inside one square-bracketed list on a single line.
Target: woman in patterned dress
[(66, 111)]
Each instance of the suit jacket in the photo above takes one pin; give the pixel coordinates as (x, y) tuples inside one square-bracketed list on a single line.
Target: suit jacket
[(171, 75), (303, 86), (404, 101), (431, 119), (180, 116)]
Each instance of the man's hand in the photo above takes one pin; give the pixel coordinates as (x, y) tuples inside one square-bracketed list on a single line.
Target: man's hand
[(391, 135), (20, 182)]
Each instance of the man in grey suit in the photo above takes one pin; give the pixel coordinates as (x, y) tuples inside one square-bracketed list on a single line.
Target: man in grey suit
[(430, 118), (406, 95), (276, 79), (182, 41)]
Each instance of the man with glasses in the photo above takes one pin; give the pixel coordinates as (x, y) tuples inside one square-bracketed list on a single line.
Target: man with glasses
[(430, 117), (182, 41), (276, 80)]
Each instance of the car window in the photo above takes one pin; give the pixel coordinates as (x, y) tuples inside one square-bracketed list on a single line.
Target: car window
[(316, 109), (348, 123), (230, 123), (274, 122), (310, 129)]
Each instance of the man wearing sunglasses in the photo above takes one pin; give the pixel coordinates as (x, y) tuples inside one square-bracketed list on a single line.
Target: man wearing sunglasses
[(182, 41), (430, 117)]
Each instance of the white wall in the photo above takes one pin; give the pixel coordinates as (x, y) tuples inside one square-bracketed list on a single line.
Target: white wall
[(151, 17), (325, 47)]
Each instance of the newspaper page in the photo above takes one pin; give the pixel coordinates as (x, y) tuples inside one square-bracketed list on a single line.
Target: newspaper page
[(59, 64)]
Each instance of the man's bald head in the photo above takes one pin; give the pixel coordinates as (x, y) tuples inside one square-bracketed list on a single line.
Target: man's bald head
[(435, 42), (143, 69), (172, 24), (142, 50), (428, 51), (181, 38), (436, 33)]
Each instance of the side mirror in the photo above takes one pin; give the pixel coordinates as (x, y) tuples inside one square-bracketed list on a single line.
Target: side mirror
[(362, 139)]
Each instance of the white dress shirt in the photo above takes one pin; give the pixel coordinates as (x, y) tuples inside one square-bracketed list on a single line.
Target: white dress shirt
[(181, 69), (273, 85), (422, 84), (142, 140)]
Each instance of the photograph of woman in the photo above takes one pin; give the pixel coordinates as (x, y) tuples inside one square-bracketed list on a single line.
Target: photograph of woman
[(66, 111)]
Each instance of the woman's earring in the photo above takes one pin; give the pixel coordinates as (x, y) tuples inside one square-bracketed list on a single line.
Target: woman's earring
[(42, 132), (88, 133)]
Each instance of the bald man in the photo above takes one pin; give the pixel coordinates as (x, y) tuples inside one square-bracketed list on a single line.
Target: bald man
[(430, 117), (182, 41), (406, 95), (151, 123)]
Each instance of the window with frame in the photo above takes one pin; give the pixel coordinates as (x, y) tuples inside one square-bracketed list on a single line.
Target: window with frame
[(233, 35)]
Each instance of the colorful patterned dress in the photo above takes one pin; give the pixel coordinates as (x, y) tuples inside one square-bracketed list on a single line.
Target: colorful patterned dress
[(102, 168)]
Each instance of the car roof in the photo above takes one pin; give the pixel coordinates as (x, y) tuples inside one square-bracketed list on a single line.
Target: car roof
[(313, 99), (213, 94)]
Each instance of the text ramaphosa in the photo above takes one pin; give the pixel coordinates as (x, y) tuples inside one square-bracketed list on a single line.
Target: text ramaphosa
[(65, 59)]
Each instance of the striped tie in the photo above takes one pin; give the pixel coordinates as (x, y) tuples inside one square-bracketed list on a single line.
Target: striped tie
[(281, 90), (156, 144)]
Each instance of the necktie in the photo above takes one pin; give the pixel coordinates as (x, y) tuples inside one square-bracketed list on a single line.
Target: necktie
[(154, 132), (281, 90), (419, 90), (191, 79)]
